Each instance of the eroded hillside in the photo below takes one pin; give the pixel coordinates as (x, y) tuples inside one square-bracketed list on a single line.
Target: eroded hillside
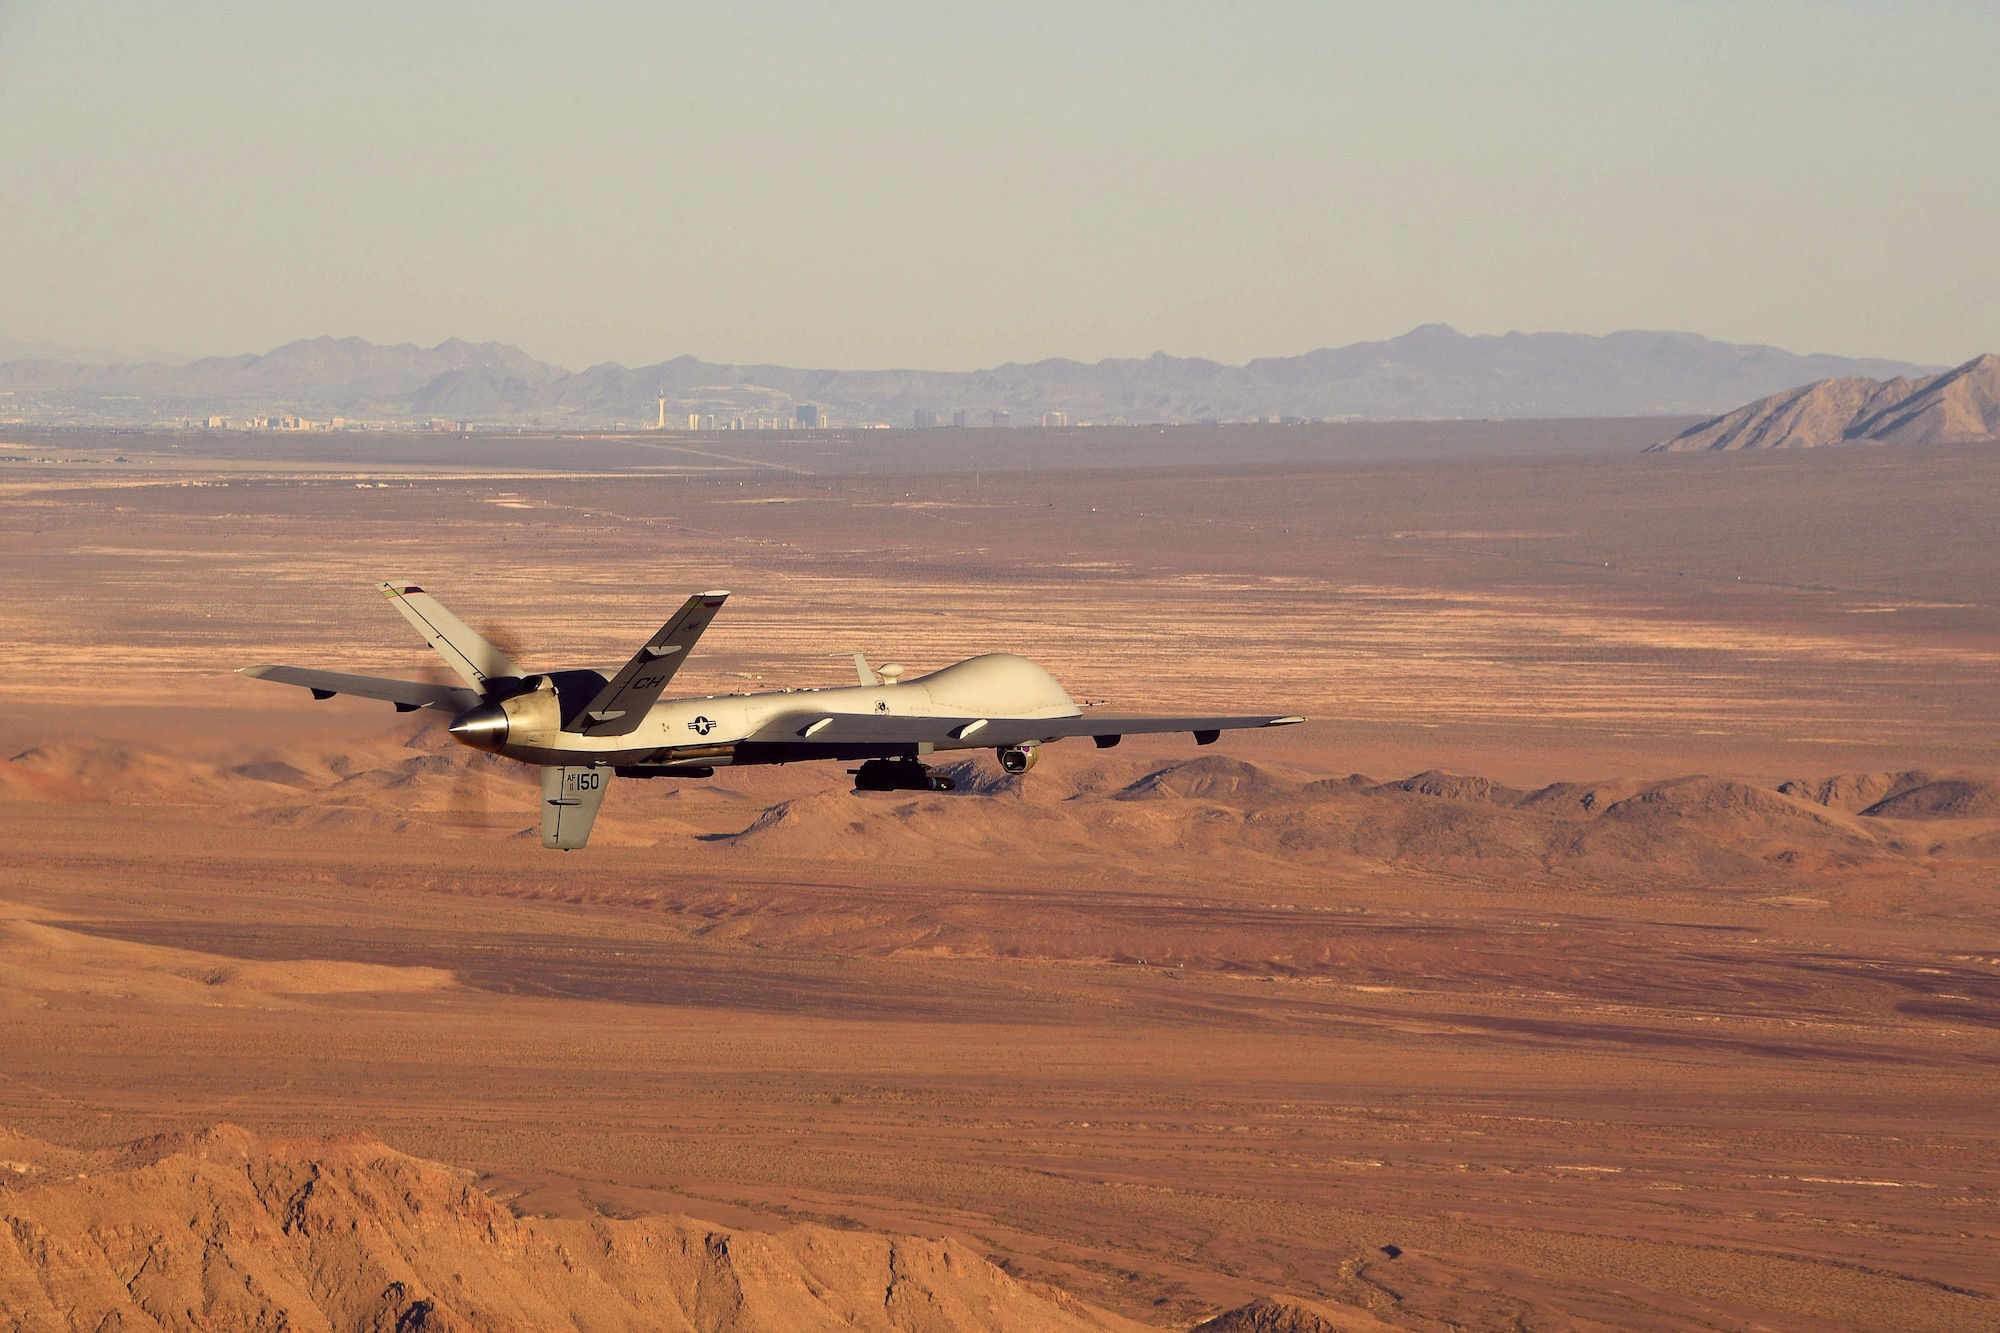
[(223, 1231)]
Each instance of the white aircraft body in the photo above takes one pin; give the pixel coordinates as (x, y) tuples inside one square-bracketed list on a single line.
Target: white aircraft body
[(581, 727)]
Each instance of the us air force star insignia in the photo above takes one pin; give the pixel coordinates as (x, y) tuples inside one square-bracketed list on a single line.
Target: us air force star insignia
[(701, 726)]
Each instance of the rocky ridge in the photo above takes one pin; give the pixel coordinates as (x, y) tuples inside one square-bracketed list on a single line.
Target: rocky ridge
[(224, 1230), (1688, 829), (1960, 406)]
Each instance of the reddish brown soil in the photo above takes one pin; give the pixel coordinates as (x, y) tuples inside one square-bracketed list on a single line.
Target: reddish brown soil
[(1651, 978)]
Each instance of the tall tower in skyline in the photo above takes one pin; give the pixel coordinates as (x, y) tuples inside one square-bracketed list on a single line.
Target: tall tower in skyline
[(663, 409)]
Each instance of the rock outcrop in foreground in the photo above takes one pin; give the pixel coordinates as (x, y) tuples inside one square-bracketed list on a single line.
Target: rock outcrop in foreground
[(1288, 1314), (225, 1231), (1960, 406)]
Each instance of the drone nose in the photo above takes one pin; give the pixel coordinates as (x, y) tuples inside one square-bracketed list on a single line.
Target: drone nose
[(482, 728)]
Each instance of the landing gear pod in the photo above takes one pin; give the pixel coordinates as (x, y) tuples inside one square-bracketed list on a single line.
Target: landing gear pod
[(1016, 759), (898, 775)]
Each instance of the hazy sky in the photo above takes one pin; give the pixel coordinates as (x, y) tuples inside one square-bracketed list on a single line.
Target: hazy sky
[(952, 186)]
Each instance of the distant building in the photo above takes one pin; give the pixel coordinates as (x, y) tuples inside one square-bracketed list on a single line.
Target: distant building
[(808, 415), (999, 418), (958, 418), (218, 423), (925, 418), (1055, 418), (694, 421)]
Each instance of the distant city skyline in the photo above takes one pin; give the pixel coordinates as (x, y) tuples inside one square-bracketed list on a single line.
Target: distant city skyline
[(952, 186), (1430, 372)]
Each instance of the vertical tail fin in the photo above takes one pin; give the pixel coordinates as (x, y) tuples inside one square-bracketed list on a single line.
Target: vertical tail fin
[(570, 798), (627, 697), (474, 659)]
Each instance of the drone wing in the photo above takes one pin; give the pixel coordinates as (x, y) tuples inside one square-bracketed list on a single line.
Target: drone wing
[(1108, 730), (624, 701), (407, 695), (850, 729)]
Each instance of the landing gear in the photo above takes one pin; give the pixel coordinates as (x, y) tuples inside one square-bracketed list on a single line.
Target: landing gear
[(898, 775)]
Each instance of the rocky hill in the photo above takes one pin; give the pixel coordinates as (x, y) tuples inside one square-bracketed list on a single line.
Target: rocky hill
[(1630, 832), (1960, 406), (224, 1230), (1431, 372)]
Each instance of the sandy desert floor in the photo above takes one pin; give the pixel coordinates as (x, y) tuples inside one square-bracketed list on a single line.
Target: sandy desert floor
[(1617, 948)]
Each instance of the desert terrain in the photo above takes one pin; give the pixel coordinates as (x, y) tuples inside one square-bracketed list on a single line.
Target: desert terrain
[(1617, 946)]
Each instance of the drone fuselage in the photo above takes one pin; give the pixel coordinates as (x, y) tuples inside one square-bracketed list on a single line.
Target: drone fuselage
[(1001, 694)]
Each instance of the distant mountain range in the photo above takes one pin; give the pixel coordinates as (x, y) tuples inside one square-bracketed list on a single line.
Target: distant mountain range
[(1432, 372), (1960, 406)]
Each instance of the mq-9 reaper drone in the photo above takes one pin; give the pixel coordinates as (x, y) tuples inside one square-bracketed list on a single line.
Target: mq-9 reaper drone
[(580, 728)]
